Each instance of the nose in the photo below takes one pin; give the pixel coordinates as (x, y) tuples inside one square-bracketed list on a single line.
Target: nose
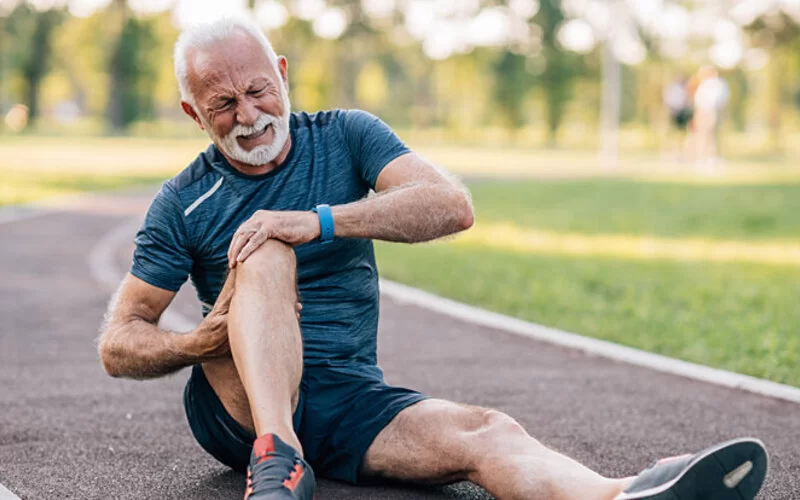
[(247, 113)]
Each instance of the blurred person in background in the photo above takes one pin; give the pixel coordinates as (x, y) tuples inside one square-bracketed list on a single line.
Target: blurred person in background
[(276, 211), (679, 105), (710, 100)]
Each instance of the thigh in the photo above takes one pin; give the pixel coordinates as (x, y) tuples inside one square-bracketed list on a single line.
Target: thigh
[(219, 415), (344, 409), (212, 426), (432, 442), (224, 379)]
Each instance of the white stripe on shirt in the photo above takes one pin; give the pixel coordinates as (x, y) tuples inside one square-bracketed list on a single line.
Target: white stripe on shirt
[(203, 198)]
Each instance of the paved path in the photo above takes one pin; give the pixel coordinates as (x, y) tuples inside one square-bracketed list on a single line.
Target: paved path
[(69, 431)]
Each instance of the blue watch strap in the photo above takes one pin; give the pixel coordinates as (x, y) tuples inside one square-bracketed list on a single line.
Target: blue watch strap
[(325, 223)]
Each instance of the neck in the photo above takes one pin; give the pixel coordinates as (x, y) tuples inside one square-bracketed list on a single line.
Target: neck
[(248, 169)]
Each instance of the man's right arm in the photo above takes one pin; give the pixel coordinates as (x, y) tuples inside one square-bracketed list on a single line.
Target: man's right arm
[(132, 345)]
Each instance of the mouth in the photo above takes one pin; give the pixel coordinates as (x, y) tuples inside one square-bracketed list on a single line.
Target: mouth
[(256, 135)]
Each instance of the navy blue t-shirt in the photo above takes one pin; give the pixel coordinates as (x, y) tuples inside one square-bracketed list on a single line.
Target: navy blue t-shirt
[(335, 158)]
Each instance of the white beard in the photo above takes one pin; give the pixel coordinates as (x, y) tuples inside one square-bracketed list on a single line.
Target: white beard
[(264, 153)]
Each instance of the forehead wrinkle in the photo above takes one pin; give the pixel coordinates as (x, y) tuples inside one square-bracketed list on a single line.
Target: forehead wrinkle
[(226, 68)]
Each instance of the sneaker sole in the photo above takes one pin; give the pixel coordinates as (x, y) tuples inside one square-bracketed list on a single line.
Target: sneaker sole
[(734, 470)]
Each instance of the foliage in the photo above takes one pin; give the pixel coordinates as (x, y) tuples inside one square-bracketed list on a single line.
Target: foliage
[(116, 64), (31, 32), (561, 67), (132, 71), (511, 86)]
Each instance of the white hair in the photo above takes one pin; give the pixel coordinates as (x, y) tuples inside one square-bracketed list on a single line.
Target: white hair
[(202, 36)]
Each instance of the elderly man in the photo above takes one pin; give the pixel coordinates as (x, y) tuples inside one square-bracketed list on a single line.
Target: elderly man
[(275, 213)]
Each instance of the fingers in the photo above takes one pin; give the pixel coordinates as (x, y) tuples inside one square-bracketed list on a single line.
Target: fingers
[(238, 242), (230, 250), (227, 289), (255, 241), (240, 239)]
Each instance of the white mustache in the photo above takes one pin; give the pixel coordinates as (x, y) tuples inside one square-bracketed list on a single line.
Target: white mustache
[(263, 120)]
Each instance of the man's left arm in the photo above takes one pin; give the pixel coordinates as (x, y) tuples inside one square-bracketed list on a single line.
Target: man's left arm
[(414, 202)]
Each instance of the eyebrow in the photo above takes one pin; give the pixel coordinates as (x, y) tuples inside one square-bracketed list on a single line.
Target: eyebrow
[(224, 97), (259, 81)]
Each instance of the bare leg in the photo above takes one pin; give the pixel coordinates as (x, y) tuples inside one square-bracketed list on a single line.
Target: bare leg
[(266, 345), (438, 441)]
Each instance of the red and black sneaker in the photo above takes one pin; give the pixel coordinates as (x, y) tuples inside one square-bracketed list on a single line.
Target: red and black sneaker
[(278, 472), (733, 470)]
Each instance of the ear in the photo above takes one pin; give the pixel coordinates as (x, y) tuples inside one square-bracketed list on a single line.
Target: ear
[(189, 110), (283, 67)]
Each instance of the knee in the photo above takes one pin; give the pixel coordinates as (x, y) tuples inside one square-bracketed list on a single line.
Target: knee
[(493, 424), (272, 257), (495, 438)]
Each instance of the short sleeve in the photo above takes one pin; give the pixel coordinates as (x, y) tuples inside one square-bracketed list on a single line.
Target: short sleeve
[(372, 143), (161, 257)]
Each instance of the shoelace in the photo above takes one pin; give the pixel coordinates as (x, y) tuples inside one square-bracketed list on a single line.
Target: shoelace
[(266, 466)]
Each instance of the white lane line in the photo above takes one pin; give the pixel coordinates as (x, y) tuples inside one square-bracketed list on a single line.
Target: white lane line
[(103, 267), (6, 494), (104, 270), (403, 294)]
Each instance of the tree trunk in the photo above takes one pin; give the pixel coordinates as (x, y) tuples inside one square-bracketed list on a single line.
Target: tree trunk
[(35, 68), (775, 92), (116, 72)]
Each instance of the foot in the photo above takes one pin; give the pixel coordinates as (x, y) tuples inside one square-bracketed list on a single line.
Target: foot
[(278, 472), (733, 470)]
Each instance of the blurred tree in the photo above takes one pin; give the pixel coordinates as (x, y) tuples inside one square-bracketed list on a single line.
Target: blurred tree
[(132, 70), (561, 67), (31, 32), (372, 86), (739, 88), (462, 92), (512, 81), (779, 34)]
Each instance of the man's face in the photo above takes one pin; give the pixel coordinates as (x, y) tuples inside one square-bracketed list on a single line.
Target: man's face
[(241, 101)]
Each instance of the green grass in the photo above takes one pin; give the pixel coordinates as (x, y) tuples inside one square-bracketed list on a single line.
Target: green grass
[(622, 206), (34, 168), (733, 316), (18, 187)]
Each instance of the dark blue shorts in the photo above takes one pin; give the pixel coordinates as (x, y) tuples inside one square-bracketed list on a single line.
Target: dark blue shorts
[(339, 413)]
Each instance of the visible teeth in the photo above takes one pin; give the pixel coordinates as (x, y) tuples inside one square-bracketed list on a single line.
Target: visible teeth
[(256, 134)]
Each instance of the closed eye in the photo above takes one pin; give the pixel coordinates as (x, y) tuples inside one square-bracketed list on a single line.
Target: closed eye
[(224, 104)]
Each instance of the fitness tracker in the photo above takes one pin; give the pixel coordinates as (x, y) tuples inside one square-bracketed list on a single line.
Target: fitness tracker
[(325, 223)]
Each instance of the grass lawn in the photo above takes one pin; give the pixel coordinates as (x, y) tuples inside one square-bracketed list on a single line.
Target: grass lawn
[(703, 268), (18, 187), (645, 264), (740, 317), (34, 168)]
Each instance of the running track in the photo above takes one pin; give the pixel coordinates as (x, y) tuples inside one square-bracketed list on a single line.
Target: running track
[(69, 431)]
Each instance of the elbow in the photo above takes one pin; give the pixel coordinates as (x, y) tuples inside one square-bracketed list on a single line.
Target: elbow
[(109, 358), (467, 219), (466, 213)]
